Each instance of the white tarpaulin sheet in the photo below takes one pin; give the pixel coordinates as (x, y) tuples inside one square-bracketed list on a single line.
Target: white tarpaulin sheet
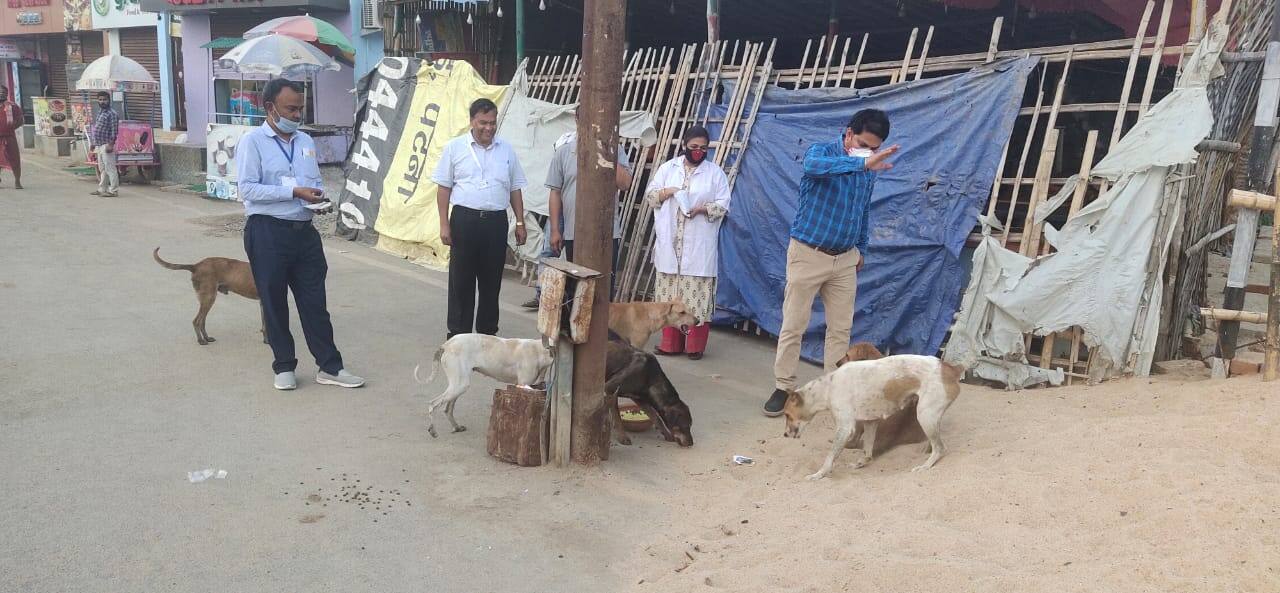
[(1098, 276), (532, 127)]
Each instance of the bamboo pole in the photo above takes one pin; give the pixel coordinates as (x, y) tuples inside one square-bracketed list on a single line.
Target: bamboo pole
[(853, 81), (993, 47), (906, 60), (844, 57), (924, 53), (1241, 198), (1128, 75), (755, 109), (1271, 366), (1022, 161), (1153, 68), (995, 186), (822, 43), (1233, 315), (1030, 228), (1077, 201)]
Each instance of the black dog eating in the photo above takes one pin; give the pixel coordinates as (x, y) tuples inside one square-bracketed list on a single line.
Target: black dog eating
[(636, 375)]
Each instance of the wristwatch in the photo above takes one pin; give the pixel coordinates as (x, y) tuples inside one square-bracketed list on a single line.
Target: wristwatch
[(520, 223)]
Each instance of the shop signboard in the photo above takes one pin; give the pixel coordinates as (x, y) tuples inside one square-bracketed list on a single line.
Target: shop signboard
[(119, 14), (207, 5)]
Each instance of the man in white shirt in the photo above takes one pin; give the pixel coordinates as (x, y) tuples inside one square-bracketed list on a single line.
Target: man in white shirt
[(280, 184), (480, 176)]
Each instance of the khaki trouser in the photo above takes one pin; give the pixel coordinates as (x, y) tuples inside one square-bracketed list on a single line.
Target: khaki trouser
[(108, 173), (811, 272)]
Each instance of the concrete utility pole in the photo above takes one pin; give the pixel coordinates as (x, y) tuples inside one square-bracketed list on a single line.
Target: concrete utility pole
[(713, 21), (603, 35), (1246, 235)]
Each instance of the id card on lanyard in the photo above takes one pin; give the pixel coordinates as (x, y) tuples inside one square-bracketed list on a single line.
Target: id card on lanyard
[(484, 181), (289, 181)]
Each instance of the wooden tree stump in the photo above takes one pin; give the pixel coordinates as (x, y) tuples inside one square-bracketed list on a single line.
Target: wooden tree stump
[(516, 425)]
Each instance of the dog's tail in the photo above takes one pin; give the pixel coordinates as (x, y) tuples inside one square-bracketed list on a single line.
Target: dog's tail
[(435, 366), (156, 255)]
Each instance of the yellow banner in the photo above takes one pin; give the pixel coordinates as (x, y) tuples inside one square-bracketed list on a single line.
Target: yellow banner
[(438, 113)]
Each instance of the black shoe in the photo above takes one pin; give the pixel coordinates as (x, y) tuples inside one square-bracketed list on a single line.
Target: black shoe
[(773, 407), (532, 304)]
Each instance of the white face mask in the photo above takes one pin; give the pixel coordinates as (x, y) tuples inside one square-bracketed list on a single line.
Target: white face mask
[(860, 152)]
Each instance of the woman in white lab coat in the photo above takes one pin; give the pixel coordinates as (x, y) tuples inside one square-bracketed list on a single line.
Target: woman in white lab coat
[(690, 198)]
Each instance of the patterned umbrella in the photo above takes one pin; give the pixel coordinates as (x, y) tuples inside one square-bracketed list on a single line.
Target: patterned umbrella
[(310, 29), (277, 55), (116, 73)]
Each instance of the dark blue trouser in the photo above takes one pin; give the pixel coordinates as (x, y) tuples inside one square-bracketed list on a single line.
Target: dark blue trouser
[(289, 256)]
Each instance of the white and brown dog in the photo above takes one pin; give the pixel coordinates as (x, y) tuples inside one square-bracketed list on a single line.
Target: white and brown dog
[(509, 360), (866, 392)]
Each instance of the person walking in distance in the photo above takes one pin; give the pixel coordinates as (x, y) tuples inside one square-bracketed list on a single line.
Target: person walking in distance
[(828, 239), (480, 176), (106, 127), (280, 184), (10, 121)]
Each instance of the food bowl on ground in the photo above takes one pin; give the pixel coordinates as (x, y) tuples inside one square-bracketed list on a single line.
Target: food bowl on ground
[(634, 419)]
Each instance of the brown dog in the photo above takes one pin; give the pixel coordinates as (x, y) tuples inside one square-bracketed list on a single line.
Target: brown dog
[(636, 322), (901, 427), (210, 276)]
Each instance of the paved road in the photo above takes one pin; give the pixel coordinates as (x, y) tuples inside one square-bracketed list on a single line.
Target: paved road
[(108, 402)]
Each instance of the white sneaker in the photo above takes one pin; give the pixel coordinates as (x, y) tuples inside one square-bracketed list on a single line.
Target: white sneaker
[(342, 379), (286, 381)]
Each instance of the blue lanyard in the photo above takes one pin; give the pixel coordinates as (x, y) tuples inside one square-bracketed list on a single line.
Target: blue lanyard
[(287, 155)]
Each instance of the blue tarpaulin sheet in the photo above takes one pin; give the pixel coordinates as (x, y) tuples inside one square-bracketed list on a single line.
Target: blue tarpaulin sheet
[(952, 131)]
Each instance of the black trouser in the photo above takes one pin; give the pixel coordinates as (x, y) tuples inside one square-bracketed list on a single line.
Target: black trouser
[(289, 256), (476, 260), (613, 278)]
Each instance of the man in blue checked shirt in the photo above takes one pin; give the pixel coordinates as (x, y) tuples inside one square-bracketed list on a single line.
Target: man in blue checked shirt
[(280, 184), (106, 127), (828, 237)]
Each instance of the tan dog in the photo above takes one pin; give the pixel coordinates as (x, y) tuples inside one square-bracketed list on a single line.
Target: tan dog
[(899, 429), (869, 391), (636, 322), (210, 276)]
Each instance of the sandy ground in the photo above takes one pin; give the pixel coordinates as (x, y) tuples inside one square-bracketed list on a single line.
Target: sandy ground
[(1164, 485), (1138, 485)]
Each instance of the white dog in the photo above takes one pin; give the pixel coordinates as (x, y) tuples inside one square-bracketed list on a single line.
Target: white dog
[(869, 391), (509, 360)]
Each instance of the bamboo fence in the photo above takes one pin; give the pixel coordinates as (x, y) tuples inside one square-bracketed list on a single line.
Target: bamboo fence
[(677, 86)]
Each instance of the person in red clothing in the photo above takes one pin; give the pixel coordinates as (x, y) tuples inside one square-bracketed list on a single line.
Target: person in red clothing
[(10, 121)]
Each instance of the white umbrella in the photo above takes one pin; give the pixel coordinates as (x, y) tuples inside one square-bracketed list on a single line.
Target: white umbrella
[(277, 55), (112, 73)]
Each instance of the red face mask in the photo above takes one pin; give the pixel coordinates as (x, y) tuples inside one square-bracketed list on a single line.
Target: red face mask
[(695, 156)]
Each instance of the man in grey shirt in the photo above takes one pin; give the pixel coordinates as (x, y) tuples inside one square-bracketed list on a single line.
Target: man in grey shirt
[(562, 180)]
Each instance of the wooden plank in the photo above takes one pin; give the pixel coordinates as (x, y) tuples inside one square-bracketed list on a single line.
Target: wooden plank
[(550, 304), (1128, 76), (924, 53), (561, 421), (1153, 68), (584, 294), (1271, 362)]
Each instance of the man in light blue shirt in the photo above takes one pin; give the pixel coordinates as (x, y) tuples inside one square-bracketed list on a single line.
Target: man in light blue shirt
[(280, 184), (480, 176)]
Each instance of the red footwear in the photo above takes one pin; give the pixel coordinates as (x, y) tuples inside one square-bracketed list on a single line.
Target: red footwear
[(672, 342), (697, 340)]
